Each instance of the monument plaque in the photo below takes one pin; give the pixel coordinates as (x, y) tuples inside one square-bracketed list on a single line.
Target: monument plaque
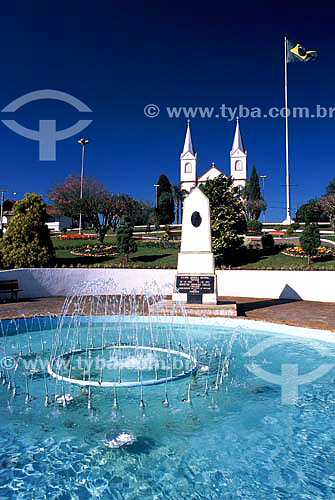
[(196, 219), (195, 284)]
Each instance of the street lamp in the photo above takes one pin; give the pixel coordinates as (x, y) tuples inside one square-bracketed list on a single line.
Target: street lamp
[(1, 210), (156, 186), (83, 143), (263, 177)]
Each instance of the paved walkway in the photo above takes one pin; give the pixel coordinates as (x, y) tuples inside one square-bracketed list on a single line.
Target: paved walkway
[(290, 312), (299, 313)]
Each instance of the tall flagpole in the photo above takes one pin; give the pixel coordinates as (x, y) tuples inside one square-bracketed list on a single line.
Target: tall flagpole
[(288, 195)]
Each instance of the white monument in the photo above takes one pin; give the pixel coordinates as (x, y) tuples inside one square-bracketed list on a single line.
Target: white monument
[(195, 280)]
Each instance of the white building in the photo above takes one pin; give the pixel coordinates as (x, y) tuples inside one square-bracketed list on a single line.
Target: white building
[(189, 158), (57, 222)]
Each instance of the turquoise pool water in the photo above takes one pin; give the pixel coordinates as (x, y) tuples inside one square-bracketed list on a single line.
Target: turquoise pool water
[(238, 442)]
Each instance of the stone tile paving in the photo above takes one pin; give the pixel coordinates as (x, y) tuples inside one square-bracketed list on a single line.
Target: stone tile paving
[(299, 313)]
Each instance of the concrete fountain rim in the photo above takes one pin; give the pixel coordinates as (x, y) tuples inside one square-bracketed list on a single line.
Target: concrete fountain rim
[(255, 326)]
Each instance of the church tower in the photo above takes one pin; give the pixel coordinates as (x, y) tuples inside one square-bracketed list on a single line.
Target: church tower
[(188, 163), (238, 159)]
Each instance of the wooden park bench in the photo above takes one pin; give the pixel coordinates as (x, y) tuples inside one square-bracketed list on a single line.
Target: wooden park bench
[(10, 286)]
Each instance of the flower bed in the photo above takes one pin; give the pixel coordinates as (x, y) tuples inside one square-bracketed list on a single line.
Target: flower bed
[(98, 250), (276, 233), (76, 237), (298, 252)]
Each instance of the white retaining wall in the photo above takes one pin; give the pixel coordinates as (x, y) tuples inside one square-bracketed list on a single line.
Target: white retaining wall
[(305, 285), (61, 281)]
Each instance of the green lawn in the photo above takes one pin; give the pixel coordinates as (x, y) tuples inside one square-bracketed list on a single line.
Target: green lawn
[(166, 258), (256, 260), (143, 258)]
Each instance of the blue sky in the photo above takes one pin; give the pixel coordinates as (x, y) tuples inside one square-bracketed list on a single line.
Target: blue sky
[(117, 58)]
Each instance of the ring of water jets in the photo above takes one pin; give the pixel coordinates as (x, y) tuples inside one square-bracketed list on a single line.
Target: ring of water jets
[(119, 383), (101, 324), (134, 334)]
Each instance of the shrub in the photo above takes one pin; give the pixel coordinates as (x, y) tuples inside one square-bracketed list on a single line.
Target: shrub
[(310, 240), (164, 236), (295, 226), (254, 225), (125, 241), (27, 241), (278, 227), (268, 242), (289, 231)]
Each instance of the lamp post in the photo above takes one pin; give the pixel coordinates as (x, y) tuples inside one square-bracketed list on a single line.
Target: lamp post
[(156, 186), (1, 210), (83, 143), (263, 177)]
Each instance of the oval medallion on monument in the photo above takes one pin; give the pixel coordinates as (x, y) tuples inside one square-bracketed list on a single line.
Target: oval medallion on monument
[(196, 219)]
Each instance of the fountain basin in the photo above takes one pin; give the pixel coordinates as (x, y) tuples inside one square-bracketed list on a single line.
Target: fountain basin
[(235, 440)]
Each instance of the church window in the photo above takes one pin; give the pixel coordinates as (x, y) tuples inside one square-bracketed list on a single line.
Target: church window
[(188, 168), (238, 165)]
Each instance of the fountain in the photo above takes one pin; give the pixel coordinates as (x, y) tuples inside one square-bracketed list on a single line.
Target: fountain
[(106, 340), (124, 396)]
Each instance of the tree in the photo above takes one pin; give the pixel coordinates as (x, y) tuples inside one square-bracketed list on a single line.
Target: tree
[(312, 211), (227, 218), (330, 189), (177, 196), (8, 205), (164, 185), (328, 205), (253, 201), (125, 241), (268, 243), (254, 188), (27, 241), (310, 240), (165, 201), (142, 214), (183, 194), (165, 209), (100, 209)]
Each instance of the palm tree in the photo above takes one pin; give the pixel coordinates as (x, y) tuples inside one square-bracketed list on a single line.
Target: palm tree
[(176, 193), (183, 194)]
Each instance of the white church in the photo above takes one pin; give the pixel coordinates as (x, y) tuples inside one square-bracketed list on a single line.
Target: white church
[(188, 163)]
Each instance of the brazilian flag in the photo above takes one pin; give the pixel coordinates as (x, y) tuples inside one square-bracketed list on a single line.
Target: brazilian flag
[(297, 53)]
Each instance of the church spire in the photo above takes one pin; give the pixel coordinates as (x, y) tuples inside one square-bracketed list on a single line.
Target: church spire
[(188, 145), (237, 143)]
